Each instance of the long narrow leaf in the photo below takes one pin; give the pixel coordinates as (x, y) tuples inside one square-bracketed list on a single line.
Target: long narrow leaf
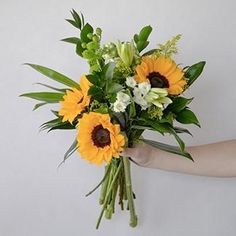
[(52, 74), (69, 152), (47, 97), (39, 105), (53, 88), (168, 148)]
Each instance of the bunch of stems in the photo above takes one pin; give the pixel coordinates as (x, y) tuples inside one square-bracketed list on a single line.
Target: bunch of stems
[(117, 183)]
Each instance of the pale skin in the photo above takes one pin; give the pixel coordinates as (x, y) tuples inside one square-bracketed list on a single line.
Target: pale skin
[(216, 159)]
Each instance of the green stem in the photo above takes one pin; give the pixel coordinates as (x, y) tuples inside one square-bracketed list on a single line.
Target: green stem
[(107, 168), (129, 191), (104, 184), (110, 188)]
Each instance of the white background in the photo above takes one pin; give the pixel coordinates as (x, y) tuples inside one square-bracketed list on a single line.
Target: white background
[(36, 199)]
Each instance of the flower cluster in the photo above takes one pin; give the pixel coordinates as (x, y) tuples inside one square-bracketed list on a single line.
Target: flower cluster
[(125, 92)]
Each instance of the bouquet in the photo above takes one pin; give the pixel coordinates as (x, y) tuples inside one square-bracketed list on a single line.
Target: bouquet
[(125, 92)]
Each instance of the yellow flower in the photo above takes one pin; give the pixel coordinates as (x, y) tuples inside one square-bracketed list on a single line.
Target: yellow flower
[(161, 72), (98, 139), (75, 101)]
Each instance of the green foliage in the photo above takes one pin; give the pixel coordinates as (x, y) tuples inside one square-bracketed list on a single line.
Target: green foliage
[(178, 104), (47, 97), (96, 92), (169, 48), (88, 45), (155, 112), (69, 152), (187, 117), (194, 71), (72, 40), (52, 74), (141, 39), (168, 148), (78, 20), (56, 124), (53, 88)]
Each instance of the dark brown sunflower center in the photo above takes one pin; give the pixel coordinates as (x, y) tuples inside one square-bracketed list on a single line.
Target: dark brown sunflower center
[(157, 80), (101, 136)]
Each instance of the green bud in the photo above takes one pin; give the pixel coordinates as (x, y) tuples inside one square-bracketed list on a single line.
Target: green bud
[(99, 31), (92, 45), (126, 52), (90, 35), (84, 45), (95, 38)]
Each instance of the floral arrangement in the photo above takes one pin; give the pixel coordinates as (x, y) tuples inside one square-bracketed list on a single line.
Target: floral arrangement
[(124, 93)]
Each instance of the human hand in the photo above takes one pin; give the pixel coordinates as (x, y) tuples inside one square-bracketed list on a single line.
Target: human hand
[(140, 154)]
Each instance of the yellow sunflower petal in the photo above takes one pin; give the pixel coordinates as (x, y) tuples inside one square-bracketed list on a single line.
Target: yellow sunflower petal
[(98, 139)]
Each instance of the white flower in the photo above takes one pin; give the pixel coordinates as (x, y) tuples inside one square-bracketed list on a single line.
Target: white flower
[(144, 88), (119, 106), (139, 98), (123, 97), (130, 82)]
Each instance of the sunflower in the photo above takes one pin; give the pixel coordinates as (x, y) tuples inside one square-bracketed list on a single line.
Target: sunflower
[(75, 101), (161, 72), (98, 139)]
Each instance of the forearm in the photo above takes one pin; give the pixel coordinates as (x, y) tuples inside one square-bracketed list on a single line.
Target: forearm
[(218, 159)]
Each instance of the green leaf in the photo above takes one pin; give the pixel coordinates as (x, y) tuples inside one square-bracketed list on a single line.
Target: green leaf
[(47, 97), (56, 124), (39, 105), (82, 19), (69, 152), (187, 117), (179, 103), (182, 130), (108, 70), (53, 88), (73, 23), (72, 40), (95, 79), (63, 126), (136, 38), (141, 39), (76, 18), (142, 45), (168, 148), (194, 71), (166, 128), (145, 32), (85, 31), (79, 48), (114, 88), (54, 75), (96, 93)]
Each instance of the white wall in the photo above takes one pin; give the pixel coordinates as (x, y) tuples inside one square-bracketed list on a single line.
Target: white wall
[(36, 198)]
